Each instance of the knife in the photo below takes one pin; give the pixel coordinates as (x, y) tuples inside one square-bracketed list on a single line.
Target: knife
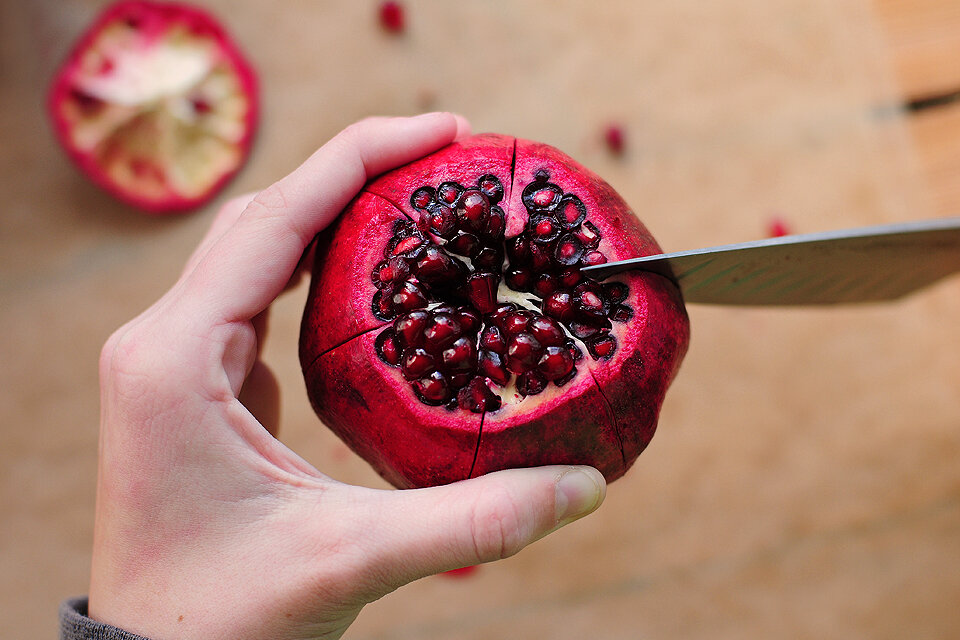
[(868, 264)]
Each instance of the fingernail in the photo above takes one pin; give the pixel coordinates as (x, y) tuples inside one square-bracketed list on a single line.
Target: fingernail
[(579, 491)]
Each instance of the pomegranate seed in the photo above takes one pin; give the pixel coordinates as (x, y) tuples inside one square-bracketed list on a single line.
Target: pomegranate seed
[(387, 348), (482, 291), (569, 250), (409, 297), (409, 327), (448, 193), (492, 339), (443, 222), (589, 235), (489, 258), (583, 330), (382, 306), (541, 196), (615, 291), (433, 389), (407, 246), (491, 187), (518, 249), (575, 351), (389, 273), (588, 299), (555, 363), (441, 331), (458, 379), (465, 244), (559, 305), (602, 347), (423, 222), (531, 383), (547, 331), (545, 284), (460, 356), (519, 279), (614, 138), (472, 210), (477, 397), (594, 257), (571, 211), (502, 309), (445, 308), (491, 365), (417, 363), (392, 16), (435, 266), (496, 223), (523, 353), (423, 198), (515, 322), (569, 278), (777, 228), (621, 313), (469, 320), (562, 380), (544, 229), (540, 257), (403, 227)]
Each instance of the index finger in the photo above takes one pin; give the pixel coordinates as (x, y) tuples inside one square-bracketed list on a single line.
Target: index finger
[(252, 261)]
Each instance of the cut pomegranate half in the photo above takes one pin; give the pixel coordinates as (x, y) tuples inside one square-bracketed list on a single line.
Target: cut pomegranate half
[(156, 104)]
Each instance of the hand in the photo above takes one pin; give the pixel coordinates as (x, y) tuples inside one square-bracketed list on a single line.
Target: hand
[(207, 526)]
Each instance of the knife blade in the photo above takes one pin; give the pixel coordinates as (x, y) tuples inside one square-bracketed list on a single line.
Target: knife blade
[(867, 264)]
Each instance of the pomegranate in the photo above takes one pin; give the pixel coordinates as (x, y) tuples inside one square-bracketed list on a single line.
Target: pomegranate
[(450, 332), (156, 105)]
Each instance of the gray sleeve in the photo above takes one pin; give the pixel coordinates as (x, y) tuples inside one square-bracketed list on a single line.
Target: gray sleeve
[(75, 625)]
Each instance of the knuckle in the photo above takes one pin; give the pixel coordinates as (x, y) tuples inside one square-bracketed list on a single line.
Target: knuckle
[(123, 356), (497, 526), (237, 204), (132, 364), (270, 200), (357, 128)]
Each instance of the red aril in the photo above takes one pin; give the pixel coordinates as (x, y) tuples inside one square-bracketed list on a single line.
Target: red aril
[(392, 16), (156, 104), (490, 349)]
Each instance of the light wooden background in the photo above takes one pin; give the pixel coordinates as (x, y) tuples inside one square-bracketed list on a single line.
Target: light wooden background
[(805, 480)]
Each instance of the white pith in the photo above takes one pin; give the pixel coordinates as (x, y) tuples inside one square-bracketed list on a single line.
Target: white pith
[(141, 75)]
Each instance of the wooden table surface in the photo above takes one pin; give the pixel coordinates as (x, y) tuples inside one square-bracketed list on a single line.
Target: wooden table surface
[(804, 482), (923, 37)]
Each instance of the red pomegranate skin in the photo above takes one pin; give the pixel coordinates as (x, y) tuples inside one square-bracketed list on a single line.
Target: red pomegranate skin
[(604, 417)]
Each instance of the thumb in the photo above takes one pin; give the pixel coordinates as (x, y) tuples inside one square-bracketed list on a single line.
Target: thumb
[(482, 519)]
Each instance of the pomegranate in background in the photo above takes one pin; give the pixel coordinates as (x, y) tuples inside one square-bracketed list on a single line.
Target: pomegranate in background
[(156, 105)]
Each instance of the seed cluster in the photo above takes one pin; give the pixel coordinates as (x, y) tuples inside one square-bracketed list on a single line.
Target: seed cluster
[(457, 352)]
